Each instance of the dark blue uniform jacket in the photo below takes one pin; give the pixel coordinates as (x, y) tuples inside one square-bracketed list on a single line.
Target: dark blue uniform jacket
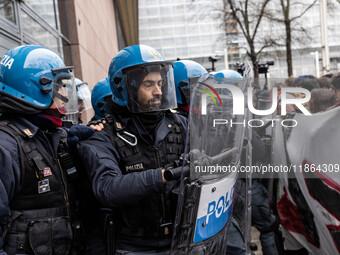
[(10, 163), (101, 159)]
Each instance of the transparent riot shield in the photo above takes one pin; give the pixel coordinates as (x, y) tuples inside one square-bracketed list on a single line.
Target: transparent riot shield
[(217, 122)]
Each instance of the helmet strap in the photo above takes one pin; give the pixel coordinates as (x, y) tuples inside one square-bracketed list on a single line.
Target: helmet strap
[(53, 112)]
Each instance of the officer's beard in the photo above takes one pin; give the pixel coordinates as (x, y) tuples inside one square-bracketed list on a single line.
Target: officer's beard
[(151, 106)]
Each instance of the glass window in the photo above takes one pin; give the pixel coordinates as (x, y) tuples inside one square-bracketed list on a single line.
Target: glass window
[(141, 11), (167, 31), (156, 32), (143, 33), (195, 51), (206, 28), (178, 9), (168, 42), (195, 40), (182, 52), (155, 43), (6, 44), (37, 32), (142, 22), (193, 29), (165, 11), (178, 19), (45, 9), (151, 2), (7, 10), (153, 11), (152, 21), (166, 20), (162, 2), (181, 41), (168, 53), (180, 30)]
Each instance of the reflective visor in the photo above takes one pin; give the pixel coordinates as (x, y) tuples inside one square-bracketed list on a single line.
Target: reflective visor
[(150, 87), (84, 96), (86, 111), (64, 94)]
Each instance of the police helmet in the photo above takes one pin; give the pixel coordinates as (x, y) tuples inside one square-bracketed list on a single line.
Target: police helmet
[(184, 70), (100, 91), (141, 80), (32, 79), (228, 74)]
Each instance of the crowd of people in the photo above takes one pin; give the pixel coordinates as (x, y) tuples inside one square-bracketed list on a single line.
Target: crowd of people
[(100, 189)]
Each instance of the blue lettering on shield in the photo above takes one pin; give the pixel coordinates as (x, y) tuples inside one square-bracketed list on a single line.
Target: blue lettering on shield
[(217, 216)]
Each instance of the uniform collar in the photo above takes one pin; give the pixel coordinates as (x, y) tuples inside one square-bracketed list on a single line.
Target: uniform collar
[(162, 130), (164, 126), (25, 126)]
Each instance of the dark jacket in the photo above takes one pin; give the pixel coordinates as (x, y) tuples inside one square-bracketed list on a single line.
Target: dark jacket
[(111, 186), (11, 174)]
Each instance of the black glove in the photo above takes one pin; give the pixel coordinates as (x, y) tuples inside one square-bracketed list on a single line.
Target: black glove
[(78, 133)]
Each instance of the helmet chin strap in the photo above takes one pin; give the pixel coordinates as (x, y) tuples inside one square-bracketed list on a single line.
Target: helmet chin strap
[(61, 97)]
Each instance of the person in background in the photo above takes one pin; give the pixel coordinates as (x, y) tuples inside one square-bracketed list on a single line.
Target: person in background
[(100, 99), (320, 100), (324, 82), (100, 91), (308, 82), (335, 82), (186, 72), (84, 102)]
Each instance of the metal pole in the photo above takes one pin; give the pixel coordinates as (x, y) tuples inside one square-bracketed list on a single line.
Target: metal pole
[(324, 37), (226, 61), (316, 60)]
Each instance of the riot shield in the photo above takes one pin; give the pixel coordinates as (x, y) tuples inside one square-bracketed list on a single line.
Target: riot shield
[(309, 193), (217, 122)]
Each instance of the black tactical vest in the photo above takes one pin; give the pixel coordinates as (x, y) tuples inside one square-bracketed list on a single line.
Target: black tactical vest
[(40, 208), (153, 216)]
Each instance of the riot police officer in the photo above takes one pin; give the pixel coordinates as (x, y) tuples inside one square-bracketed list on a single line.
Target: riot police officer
[(100, 99), (36, 90), (84, 102), (100, 91), (126, 161), (186, 72)]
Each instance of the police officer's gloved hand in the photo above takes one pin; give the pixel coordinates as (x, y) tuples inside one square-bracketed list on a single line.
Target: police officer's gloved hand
[(173, 171), (97, 125), (95, 122), (197, 157), (78, 133)]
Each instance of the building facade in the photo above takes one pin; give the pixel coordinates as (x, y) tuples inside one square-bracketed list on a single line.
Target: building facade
[(183, 29), (197, 30), (84, 33)]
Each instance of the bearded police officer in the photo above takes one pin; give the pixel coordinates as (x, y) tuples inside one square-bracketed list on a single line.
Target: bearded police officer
[(36, 90), (126, 161)]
